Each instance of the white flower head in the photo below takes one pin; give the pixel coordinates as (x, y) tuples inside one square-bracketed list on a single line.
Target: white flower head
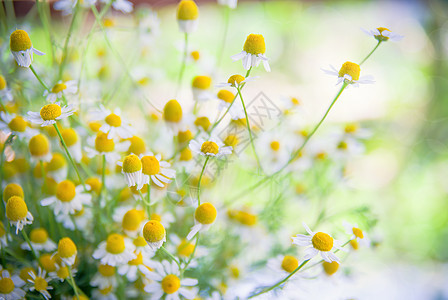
[(61, 89), (116, 250), (22, 48), (40, 283), (11, 286), (212, 147), (69, 199), (253, 53), (383, 34), (349, 74), (156, 170), (17, 213), (115, 125), (204, 217), (50, 113), (40, 241)]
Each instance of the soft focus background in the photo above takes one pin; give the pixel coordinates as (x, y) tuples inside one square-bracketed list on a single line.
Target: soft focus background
[(403, 178)]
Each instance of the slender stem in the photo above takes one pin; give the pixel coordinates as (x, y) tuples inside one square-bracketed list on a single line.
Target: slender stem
[(182, 66), (44, 176), (248, 129), (171, 256), (74, 286), (192, 253), (25, 236), (148, 197), (200, 179), (103, 176), (67, 39), (38, 78), (371, 52), (69, 156)]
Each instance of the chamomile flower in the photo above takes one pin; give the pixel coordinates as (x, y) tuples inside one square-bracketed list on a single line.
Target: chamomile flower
[(357, 235), (124, 6), (40, 241), (5, 92), (204, 217), (104, 294), (12, 189), (4, 236), (132, 222), (22, 48), (225, 98), (283, 264), (330, 267), (253, 53), (81, 218), (61, 89), (68, 198), (62, 272), (39, 147), (132, 170), (73, 143), (201, 88), (57, 167), (212, 147), (235, 81), (320, 242), (17, 213), (230, 3), (67, 251), (115, 125), (40, 283), (66, 6), (115, 250), (134, 267), (156, 170), (154, 234), (10, 287), (50, 113), (167, 282), (105, 277), (383, 34), (172, 114), (349, 73), (105, 146), (12, 123), (187, 16)]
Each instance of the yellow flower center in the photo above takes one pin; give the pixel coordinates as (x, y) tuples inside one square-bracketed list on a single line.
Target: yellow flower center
[(195, 55), (351, 128), (205, 213), (139, 241), (349, 68), (342, 145), (58, 87), (275, 145), (295, 101), (113, 120), (95, 126), (202, 82), (186, 155), (106, 270), (358, 232), (170, 284), (137, 261), (153, 231), (321, 155), (79, 213), (156, 217), (2, 230), (289, 263), (17, 124), (246, 218), (131, 164), (105, 291), (103, 144), (185, 248), (184, 136), (354, 244), (70, 136), (39, 145), (235, 79), (16, 209), (65, 191), (40, 284), (231, 140), (24, 273), (131, 220), (39, 235), (300, 188), (108, 22), (172, 112), (63, 272), (94, 183), (48, 262), (2, 82), (330, 268), (226, 95), (381, 36), (234, 272), (66, 248), (57, 162), (255, 44), (50, 112), (203, 122), (19, 41), (209, 147), (12, 189), (6, 285), (137, 145), (151, 165), (187, 10), (115, 243), (322, 241)]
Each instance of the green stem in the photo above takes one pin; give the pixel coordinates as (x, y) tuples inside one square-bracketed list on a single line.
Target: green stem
[(25, 236), (192, 253), (182, 66), (170, 256), (44, 176), (200, 178), (74, 286), (67, 39), (70, 157), (371, 52), (38, 78), (148, 197)]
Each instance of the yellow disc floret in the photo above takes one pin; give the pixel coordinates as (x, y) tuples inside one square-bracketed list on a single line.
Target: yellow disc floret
[(187, 10), (275, 145), (63, 272), (381, 37), (39, 145), (205, 213), (153, 231), (132, 164), (16, 209), (349, 68), (103, 144), (226, 95), (2, 83), (172, 112), (150, 165), (322, 241), (70, 136), (137, 145), (184, 136), (57, 162), (195, 55), (354, 244), (289, 263), (139, 241), (25, 273), (48, 262), (38, 235), (66, 248), (50, 112), (6, 285), (17, 124), (19, 41), (12, 189), (115, 243), (255, 44), (330, 268), (358, 232), (65, 191), (185, 155), (106, 270), (209, 147), (170, 284), (58, 87), (203, 122), (137, 261), (201, 82), (185, 248), (113, 120), (235, 80), (131, 220), (40, 284), (231, 140), (351, 128)]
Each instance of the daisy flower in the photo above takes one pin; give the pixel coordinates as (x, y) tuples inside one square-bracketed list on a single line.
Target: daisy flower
[(167, 282), (283, 264), (50, 113), (204, 217), (62, 273), (115, 125), (124, 6), (154, 234), (330, 267), (383, 34), (6, 148), (201, 88), (349, 74), (67, 251), (357, 235), (172, 114), (40, 283), (253, 53), (132, 222), (17, 213), (12, 123), (5, 92), (73, 143), (10, 287), (132, 170), (40, 241), (104, 294), (139, 265), (57, 167), (225, 98), (320, 242), (105, 277), (187, 16), (141, 246), (66, 6), (235, 81), (61, 89), (156, 170), (39, 147), (22, 48), (212, 147), (81, 218), (68, 198), (115, 250), (105, 146), (230, 3)]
